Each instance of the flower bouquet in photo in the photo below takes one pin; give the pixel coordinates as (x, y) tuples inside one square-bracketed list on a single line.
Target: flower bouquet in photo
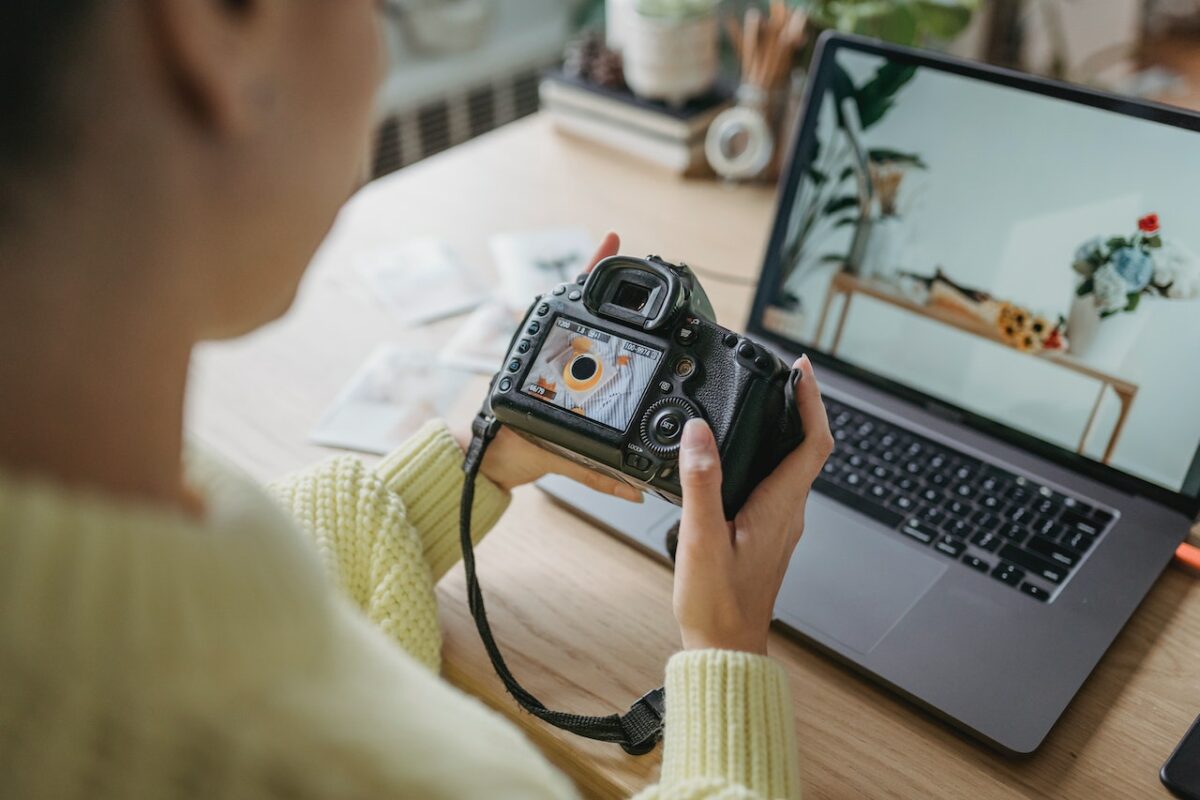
[(1115, 275)]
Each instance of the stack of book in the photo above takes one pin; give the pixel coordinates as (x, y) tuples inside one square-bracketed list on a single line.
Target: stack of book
[(669, 137)]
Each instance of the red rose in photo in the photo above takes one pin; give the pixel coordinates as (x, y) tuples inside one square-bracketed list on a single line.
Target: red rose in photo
[(1148, 224)]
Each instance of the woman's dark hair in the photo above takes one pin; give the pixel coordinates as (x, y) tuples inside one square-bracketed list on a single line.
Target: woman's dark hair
[(38, 39)]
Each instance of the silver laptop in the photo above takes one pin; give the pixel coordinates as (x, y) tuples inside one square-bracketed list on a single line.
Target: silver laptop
[(1010, 349)]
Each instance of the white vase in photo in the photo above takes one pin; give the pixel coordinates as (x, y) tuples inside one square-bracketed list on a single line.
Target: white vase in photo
[(1103, 342), (886, 238)]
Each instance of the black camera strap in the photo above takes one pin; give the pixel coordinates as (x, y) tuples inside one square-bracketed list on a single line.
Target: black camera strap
[(639, 728)]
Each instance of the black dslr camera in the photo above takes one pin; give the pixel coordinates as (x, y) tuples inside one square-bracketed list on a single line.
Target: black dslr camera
[(607, 371)]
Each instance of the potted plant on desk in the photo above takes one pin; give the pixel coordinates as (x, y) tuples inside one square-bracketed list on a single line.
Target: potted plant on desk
[(1116, 274)]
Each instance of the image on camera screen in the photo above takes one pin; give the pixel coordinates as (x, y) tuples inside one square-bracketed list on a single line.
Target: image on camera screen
[(592, 373)]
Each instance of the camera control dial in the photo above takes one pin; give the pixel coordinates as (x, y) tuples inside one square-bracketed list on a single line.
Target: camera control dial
[(662, 425)]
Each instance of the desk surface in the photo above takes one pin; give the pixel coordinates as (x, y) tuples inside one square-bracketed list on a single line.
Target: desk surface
[(587, 621)]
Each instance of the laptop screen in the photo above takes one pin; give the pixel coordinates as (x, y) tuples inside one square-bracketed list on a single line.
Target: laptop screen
[(1006, 249)]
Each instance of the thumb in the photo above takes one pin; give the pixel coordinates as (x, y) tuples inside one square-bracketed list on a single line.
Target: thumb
[(700, 477)]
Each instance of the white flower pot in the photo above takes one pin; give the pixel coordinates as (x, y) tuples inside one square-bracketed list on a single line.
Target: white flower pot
[(670, 60), (1103, 342)]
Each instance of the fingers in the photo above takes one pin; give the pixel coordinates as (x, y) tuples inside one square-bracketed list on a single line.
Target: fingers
[(795, 474), (700, 477), (609, 246), (598, 481)]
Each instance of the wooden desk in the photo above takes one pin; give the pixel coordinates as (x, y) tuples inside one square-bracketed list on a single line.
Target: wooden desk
[(847, 286), (586, 620)]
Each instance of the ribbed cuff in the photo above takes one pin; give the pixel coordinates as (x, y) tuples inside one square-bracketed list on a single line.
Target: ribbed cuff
[(426, 472), (729, 718)]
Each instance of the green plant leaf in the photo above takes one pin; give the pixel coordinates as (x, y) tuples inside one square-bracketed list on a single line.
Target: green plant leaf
[(1134, 299), (1154, 241), (944, 19), (876, 96), (884, 156), (833, 258), (817, 176), (1117, 242), (1085, 288), (838, 204), (848, 172)]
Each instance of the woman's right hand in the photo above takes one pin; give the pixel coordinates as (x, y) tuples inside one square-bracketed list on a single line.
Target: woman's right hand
[(727, 574)]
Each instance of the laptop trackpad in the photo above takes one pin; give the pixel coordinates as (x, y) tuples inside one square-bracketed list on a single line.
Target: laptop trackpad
[(850, 581)]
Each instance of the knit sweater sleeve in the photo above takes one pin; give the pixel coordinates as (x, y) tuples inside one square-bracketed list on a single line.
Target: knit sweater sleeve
[(729, 733), (387, 535)]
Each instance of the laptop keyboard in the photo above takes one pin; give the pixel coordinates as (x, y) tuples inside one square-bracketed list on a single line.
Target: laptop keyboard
[(1025, 535)]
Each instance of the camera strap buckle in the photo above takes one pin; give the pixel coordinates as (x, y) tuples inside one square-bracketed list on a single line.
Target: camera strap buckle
[(638, 729)]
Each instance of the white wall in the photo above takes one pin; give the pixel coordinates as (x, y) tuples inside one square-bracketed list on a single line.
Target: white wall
[(1015, 183)]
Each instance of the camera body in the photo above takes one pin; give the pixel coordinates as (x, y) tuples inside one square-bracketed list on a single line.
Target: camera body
[(607, 371)]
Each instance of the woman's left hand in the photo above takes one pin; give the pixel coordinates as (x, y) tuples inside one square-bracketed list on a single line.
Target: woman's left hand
[(512, 460)]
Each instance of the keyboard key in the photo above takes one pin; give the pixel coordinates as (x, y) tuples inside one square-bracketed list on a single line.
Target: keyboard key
[(1018, 494), (1046, 527), (903, 503), (931, 495), (878, 491), (1020, 514), (863, 505), (1100, 515), (987, 541), (857, 461), (1014, 532), (1077, 522), (1079, 541), (1055, 573), (881, 472), (906, 484), (921, 531), (957, 527), (1036, 592), (956, 506), (939, 479), (991, 502), (985, 519), (1045, 505), (963, 489), (1007, 573), (933, 515), (975, 562), (950, 547), (937, 461), (852, 479), (1054, 552)]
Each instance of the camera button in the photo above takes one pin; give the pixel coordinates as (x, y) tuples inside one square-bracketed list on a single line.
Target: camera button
[(560, 289), (533, 328), (505, 384), (664, 387), (746, 350), (667, 472), (543, 309), (668, 426), (762, 362), (685, 336), (514, 365), (523, 346), (729, 339), (575, 295), (684, 367)]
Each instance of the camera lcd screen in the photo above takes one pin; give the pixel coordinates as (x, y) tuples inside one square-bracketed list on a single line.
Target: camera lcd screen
[(591, 372)]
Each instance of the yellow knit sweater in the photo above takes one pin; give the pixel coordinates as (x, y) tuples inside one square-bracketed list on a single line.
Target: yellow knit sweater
[(146, 655)]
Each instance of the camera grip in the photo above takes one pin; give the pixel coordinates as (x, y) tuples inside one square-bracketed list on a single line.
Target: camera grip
[(778, 430)]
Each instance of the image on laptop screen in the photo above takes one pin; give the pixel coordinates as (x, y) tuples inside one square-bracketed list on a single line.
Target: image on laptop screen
[(1028, 259)]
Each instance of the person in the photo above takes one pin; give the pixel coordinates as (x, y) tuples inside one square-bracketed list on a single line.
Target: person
[(167, 628)]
